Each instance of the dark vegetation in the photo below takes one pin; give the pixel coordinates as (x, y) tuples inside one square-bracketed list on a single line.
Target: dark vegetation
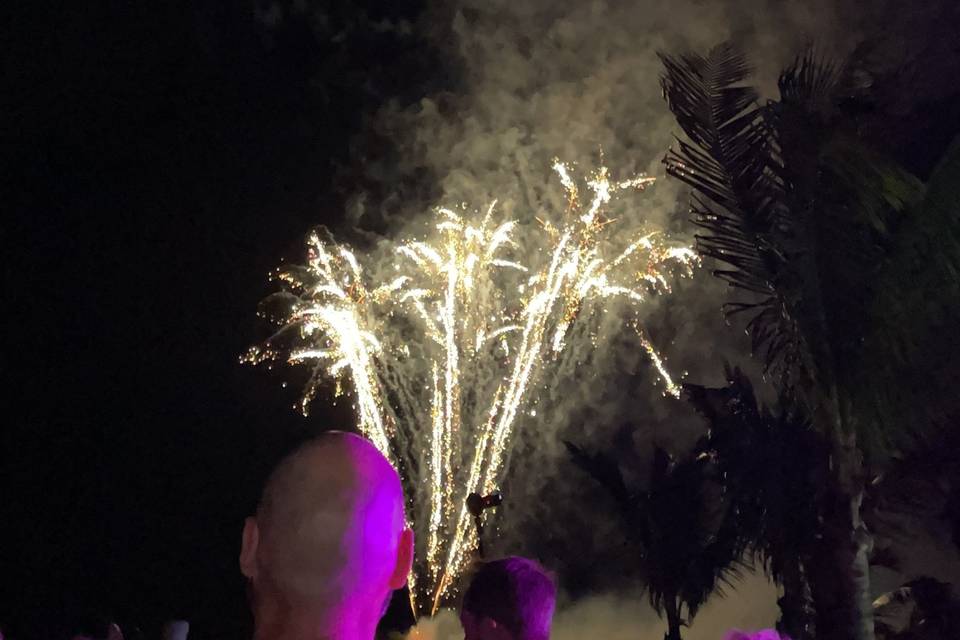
[(845, 268)]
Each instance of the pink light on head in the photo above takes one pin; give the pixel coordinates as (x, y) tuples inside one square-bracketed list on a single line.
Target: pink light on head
[(329, 541), (516, 594)]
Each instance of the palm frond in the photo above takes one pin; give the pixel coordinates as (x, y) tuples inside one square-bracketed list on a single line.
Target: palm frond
[(849, 207), (770, 463), (604, 470), (812, 82), (686, 542), (845, 201), (905, 378), (731, 161), (803, 215)]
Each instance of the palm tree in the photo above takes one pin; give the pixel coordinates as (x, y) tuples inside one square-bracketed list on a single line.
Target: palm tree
[(683, 538), (848, 269), (771, 467)]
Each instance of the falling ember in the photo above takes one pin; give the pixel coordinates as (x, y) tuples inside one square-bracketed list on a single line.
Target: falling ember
[(446, 359), (669, 385)]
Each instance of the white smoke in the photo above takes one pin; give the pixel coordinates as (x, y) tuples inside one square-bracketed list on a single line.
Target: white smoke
[(538, 79), (571, 79), (543, 79), (627, 616)]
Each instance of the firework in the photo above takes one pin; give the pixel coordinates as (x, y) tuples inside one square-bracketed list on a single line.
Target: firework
[(445, 357)]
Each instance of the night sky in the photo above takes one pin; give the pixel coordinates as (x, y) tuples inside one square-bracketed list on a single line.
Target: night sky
[(164, 158), (160, 161)]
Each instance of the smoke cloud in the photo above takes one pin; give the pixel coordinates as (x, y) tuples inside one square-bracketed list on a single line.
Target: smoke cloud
[(520, 84), (574, 80), (627, 616), (580, 81)]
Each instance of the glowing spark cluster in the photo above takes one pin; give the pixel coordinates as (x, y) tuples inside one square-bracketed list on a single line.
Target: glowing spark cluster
[(447, 354)]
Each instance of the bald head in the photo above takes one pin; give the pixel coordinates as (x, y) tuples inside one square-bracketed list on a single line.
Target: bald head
[(329, 536)]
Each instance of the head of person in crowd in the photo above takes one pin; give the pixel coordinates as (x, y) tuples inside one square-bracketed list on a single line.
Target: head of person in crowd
[(328, 544), (509, 599), (176, 630), (95, 627)]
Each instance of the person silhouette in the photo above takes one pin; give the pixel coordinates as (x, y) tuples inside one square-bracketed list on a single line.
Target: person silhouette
[(509, 599), (328, 544)]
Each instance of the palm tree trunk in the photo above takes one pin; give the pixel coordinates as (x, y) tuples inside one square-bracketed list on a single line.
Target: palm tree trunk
[(840, 568), (796, 621), (673, 618)]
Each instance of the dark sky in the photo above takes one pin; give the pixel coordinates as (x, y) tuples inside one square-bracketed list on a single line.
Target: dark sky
[(160, 160), (164, 158)]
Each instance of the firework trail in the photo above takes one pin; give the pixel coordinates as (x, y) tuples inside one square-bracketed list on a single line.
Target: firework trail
[(445, 356)]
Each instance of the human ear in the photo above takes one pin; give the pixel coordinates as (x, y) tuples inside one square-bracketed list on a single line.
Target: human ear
[(404, 560), (248, 548)]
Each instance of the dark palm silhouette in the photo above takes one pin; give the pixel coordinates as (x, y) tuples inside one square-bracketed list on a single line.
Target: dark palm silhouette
[(683, 537), (847, 268), (923, 483), (771, 467)]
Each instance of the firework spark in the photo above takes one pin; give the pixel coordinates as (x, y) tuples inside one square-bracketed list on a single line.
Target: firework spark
[(445, 357)]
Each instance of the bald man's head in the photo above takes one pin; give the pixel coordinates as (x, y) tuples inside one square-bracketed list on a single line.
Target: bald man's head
[(329, 534)]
